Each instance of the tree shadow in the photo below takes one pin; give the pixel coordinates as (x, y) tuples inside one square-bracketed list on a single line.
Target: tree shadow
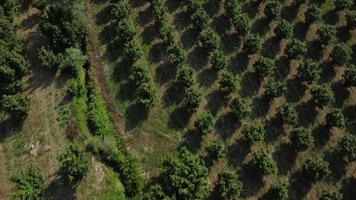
[(290, 12), (221, 24), (182, 21), (350, 115), (315, 50), (295, 90), (173, 5), (251, 8), (261, 26), (207, 77), (57, 190), (239, 63), (198, 58), (250, 84), (260, 106), (179, 118), (300, 30), (189, 38), (9, 127), (283, 67), (237, 152), (121, 71), (353, 56), (343, 34), (135, 115), (274, 129), (212, 7), (348, 188), (104, 16), (108, 33), (321, 135), (149, 33), (252, 181), (216, 100), (173, 95), (230, 42), (270, 47), (328, 72), (226, 125), (341, 93), (126, 91), (330, 17), (157, 53), (307, 113), (299, 185), (165, 72), (285, 156), (137, 3), (338, 166), (145, 16), (191, 140)]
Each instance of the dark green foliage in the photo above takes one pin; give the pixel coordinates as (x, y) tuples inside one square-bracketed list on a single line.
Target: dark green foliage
[(29, 184), (350, 76), (295, 49), (273, 9), (326, 33), (298, 2), (40, 4), (275, 88), (316, 168), (229, 83), (155, 192), (166, 33), (146, 95), (74, 164), (159, 11), (322, 95), (177, 54), (351, 18), (184, 176), (343, 4), (252, 44), (336, 118), (186, 77), (302, 139), (284, 29), (264, 67), (15, 105), (192, 100), (309, 71), (121, 10), (253, 132), (241, 23), (288, 114), (330, 194), (263, 161), (74, 61), (218, 60), (279, 190), (139, 74), (48, 59), (209, 39), (240, 108), (132, 51), (64, 25), (10, 8), (228, 185), (126, 30), (216, 149), (205, 122), (313, 14), (231, 8), (200, 19), (347, 146), (341, 54)]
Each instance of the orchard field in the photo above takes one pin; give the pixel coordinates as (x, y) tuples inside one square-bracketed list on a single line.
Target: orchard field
[(185, 100)]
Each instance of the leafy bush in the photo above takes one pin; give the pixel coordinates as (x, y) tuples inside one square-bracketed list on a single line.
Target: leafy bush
[(132, 52), (309, 71), (229, 83), (194, 5), (351, 18), (252, 44), (74, 61), (40, 4), (263, 161), (253, 132), (341, 54), (313, 14), (186, 77), (347, 146), (343, 4), (192, 100), (326, 33), (48, 59), (288, 114), (295, 49), (284, 29), (273, 9), (29, 184), (74, 164), (155, 192), (139, 74), (200, 19), (216, 149), (166, 33), (264, 67), (177, 54), (159, 11), (126, 30), (241, 23), (350, 76), (231, 8), (316, 168), (275, 88), (184, 176), (218, 60), (210, 39), (15, 105), (146, 95), (330, 194), (121, 10), (228, 185), (322, 95), (279, 190), (240, 108), (302, 139), (336, 118), (205, 122)]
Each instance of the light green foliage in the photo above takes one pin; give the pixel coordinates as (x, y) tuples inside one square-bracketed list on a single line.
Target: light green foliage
[(284, 29), (241, 23), (336, 118), (350, 76), (341, 54), (273, 9), (322, 95), (279, 190), (205, 122), (264, 67), (216, 149), (210, 39), (316, 168), (228, 185), (288, 114), (302, 139), (15, 105), (252, 44), (330, 194), (263, 161), (186, 77), (275, 88), (313, 14), (253, 132), (295, 49), (229, 83), (347, 146), (309, 71), (240, 108), (192, 100)]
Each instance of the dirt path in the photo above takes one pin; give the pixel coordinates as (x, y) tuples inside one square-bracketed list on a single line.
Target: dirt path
[(93, 48)]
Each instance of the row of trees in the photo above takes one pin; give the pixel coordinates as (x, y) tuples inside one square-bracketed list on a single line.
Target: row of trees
[(13, 65)]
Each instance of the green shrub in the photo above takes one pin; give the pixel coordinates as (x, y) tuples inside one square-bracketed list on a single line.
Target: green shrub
[(132, 51), (275, 88), (302, 139), (326, 33), (253, 132), (279, 190), (336, 118), (186, 77), (316, 168), (146, 95), (341, 54), (155, 192), (263, 161), (216, 149), (48, 59), (210, 39), (351, 18), (252, 44), (177, 54), (350, 76), (240, 108), (343, 4), (273, 9), (74, 164), (229, 83), (192, 100), (264, 67), (288, 114), (218, 60), (284, 29), (205, 122), (15, 105), (322, 95), (166, 33), (309, 71), (200, 19), (29, 184), (159, 11), (295, 49), (121, 10), (313, 14), (330, 194), (140, 74), (40, 4), (126, 30), (231, 8), (347, 146), (228, 185), (74, 61), (241, 23)]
